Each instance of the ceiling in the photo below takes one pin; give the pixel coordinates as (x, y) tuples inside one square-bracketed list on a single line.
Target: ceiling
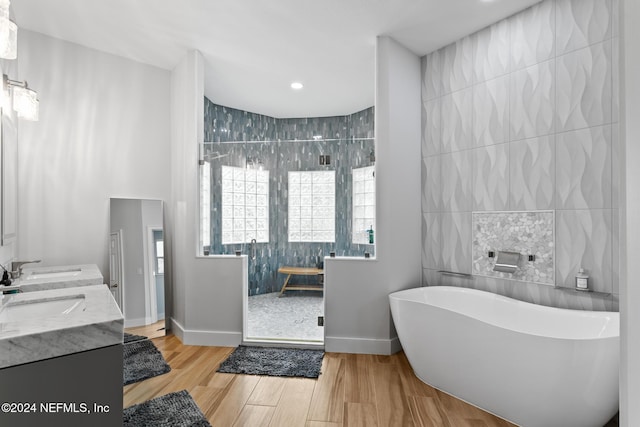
[(254, 49)]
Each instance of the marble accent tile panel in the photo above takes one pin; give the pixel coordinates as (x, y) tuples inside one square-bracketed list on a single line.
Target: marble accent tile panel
[(455, 171), (491, 178), (431, 75), (532, 174), (580, 23), (532, 95), (431, 240), (583, 169), (584, 86), (431, 185), (456, 242), (491, 112), (491, 51), (457, 66), (456, 120), (529, 233), (584, 240), (431, 127), (533, 35)]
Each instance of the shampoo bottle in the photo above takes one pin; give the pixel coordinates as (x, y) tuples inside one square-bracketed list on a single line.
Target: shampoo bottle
[(582, 280)]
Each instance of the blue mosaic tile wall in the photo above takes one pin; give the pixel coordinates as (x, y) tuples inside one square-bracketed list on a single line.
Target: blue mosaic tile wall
[(280, 146)]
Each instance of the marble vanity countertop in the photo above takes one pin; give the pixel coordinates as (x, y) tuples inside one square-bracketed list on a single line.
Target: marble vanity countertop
[(35, 278), (100, 324)]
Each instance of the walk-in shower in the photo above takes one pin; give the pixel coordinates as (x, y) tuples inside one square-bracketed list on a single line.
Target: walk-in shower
[(283, 192)]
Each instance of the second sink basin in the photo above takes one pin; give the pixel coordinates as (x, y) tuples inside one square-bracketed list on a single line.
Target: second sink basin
[(39, 308), (52, 274)]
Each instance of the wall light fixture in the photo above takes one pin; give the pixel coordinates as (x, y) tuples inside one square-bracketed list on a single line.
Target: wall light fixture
[(25, 100)]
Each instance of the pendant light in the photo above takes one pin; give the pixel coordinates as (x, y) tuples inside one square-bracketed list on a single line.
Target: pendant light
[(8, 33)]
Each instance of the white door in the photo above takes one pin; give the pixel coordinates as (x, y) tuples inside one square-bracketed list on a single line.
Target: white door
[(115, 267)]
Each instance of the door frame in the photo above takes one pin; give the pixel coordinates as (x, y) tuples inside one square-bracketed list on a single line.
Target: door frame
[(151, 298), (119, 274)]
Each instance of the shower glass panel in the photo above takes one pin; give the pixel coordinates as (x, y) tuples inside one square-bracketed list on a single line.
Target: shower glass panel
[(246, 193)]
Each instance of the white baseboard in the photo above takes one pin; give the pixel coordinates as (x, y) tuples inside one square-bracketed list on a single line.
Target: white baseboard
[(362, 345), (207, 338), (134, 323)]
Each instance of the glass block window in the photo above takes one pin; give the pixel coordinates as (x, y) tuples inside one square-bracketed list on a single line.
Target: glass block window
[(312, 206), (364, 203), (245, 205), (205, 203)]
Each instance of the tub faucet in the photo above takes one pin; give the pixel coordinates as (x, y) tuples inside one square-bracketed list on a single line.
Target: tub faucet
[(253, 248), (16, 268)]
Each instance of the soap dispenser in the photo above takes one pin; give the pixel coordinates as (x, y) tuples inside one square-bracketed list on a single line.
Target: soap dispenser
[(582, 280), (5, 278)]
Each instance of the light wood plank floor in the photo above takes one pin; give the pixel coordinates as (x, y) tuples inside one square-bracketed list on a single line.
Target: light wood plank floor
[(353, 390), (153, 330)]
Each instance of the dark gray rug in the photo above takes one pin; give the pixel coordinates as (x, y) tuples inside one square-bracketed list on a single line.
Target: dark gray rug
[(142, 360), (171, 410), (132, 338), (273, 361)]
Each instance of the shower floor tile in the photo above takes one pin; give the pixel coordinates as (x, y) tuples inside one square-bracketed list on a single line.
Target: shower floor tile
[(294, 317)]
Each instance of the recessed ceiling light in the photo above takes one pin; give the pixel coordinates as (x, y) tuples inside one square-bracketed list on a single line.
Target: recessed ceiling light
[(296, 85)]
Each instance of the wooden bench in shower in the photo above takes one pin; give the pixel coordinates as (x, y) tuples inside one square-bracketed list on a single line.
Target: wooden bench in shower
[(301, 271)]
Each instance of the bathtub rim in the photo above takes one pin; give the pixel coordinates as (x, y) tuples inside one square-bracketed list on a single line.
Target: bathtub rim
[(608, 316)]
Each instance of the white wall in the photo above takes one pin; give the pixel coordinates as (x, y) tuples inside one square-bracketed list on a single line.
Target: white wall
[(207, 299), (630, 289), (104, 131), (357, 315)]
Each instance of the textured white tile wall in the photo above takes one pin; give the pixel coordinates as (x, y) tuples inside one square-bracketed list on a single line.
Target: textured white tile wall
[(523, 115)]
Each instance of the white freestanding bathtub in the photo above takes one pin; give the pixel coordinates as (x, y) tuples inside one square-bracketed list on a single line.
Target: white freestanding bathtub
[(530, 364)]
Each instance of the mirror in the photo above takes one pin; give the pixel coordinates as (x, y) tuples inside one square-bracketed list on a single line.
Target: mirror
[(9, 176), (136, 258)]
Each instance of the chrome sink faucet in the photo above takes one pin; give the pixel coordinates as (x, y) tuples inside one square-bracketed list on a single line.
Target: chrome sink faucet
[(16, 267)]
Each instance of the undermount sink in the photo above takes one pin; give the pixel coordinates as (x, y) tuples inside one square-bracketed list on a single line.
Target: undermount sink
[(52, 274), (39, 308)]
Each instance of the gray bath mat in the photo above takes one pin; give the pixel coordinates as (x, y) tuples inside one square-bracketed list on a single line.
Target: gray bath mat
[(132, 338), (171, 410), (272, 361), (142, 360)]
